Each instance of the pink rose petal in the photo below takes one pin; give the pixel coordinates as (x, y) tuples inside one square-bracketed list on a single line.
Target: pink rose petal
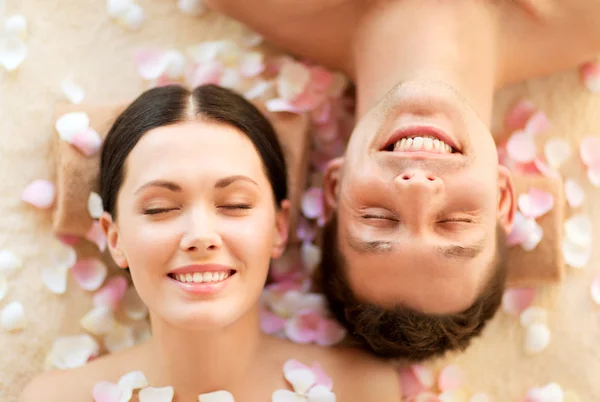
[(451, 378), (595, 289), (544, 169), (590, 152), (39, 193), (105, 391), (535, 203), (69, 240), (292, 80), (302, 327), (281, 105), (329, 332), (150, 63), (112, 293), (423, 374), (574, 193), (590, 76), (252, 64), (305, 231), (87, 141), (206, 73), (557, 151), (537, 123), (89, 273), (526, 232), (594, 176), (521, 147), (96, 236), (322, 378), (270, 323), (409, 383), (517, 116), (312, 203), (516, 300)]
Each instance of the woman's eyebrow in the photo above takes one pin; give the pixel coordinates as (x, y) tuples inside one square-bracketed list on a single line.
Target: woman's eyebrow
[(169, 185)]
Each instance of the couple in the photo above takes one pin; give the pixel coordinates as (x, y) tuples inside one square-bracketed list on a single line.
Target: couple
[(195, 183)]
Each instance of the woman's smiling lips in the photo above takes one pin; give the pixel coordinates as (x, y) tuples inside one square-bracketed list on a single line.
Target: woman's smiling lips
[(202, 279)]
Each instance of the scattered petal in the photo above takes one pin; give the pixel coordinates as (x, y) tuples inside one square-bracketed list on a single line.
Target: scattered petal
[(87, 141), (283, 395), (133, 306), (94, 205), (3, 287), (105, 391), (119, 338), (423, 375), (526, 232), (271, 323), (312, 203), (533, 315), (281, 105), (72, 351), (133, 17), (69, 240), (594, 176), (13, 52), (209, 72), (451, 378), (96, 236), (150, 63), (521, 147), (575, 255), (252, 64), (55, 278), (519, 114), (535, 203), (301, 379), (537, 338), (9, 263), (175, 64), (544, 169), (118, 7), (409, 383), (589, 150), (259, 90), (557, 151), (480, 397), (578, 229), (230, 78), (13, 317), (191, 7), (218, 396), (302, 327), (292, 80), (537, 123), (574, 193), (319, 393), (70, 124), (133, 380), (322, 378), (112, 292), (63, 255), (517, 300), (39, 193), (73, 92), (252, 39), (590, 75), (98, 321), (329, 332), (311, 256), (16, 25), (550, 393), (150, 394), (595, 289)]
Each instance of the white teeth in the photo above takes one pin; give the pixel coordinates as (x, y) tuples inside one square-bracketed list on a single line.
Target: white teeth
[(197, 277), (207, 277), (202, 277), (189, 278), (427, 144)]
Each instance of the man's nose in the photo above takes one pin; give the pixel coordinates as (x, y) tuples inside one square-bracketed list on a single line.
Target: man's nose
[(417, 193)]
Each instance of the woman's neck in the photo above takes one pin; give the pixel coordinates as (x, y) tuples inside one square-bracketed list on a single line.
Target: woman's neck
[(194, 362), (452, 42)]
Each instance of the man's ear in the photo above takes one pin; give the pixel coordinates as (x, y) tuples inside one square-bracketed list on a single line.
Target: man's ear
[(282, 226), (111, 231), (331, 186), (507, 199)]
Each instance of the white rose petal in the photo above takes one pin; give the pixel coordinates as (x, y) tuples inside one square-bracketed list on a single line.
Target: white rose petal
[(12, 317)]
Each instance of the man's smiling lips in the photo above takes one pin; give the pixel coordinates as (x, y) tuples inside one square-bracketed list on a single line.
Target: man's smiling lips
[(422, 139)]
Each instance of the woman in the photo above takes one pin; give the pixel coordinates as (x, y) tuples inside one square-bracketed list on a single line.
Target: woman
[(194, 189)]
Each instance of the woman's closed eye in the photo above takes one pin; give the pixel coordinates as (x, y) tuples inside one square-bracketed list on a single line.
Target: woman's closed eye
[(236, 206), (156, 211)]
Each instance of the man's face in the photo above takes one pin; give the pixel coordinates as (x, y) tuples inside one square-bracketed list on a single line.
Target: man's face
[(419, 195)]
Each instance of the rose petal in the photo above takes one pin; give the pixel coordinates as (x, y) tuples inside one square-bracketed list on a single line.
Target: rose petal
[(16, 25), (9, 263), (13, 52), (252, 64), (260, 89), (133, 380), (557, 151), (3, 287), (281, 105), (212, 50), (451, 378), (73, 92), (133, 18), (517, 116), (283, 395), (319, 393), (150, 63), (312, 203), (423, 375), (526, 232), (217, 396), (133, 306), (574, 193), (209, 72), (70, 124), (63, 255), (595, 289), (590, 76), (516, 300), (589, 150), (480, 397), (72, 351), (578, 229), (120, 337), (175, 64), (89, 273), (537, 123), (301, 379), (549, 393), (576, 256), (98, 321), (230, 78), (39, 193), (105, 391), (94, 205), (329, 332), (292, 80), (409, 383), (302, 328), (55, 278), (537, 338), (544, 169), (150, 394), (535, 203), (305, 230), (118, 7), (594, 176), (112, 292), (271, 323), (69, 240), (252, 39), (191, 7), (322, 379), (96, 236), (311, 256), (521, 147), (12, 317), (533, 315), (87, 141)]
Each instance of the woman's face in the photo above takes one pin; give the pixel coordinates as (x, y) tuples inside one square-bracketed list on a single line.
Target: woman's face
[(196, 224)]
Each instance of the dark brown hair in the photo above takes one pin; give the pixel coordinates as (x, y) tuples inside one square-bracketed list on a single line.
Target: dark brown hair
[(402, 332), (172, 104)]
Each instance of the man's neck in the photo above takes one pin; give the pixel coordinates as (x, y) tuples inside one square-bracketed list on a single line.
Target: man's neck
[(452, 42)]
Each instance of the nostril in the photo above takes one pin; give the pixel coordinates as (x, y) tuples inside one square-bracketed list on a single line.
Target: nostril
[(405, 177), (430, 178)]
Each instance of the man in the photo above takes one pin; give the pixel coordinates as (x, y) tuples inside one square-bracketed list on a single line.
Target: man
[(418, 208)]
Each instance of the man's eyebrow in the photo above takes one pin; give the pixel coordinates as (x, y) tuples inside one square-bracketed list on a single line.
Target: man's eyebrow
[(458, 251), (169, 185), (369, 247)]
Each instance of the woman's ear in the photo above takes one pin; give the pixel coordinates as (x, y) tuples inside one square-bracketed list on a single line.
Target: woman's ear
[(282, 226), (331, 184), (507, 199), (111, 231)]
